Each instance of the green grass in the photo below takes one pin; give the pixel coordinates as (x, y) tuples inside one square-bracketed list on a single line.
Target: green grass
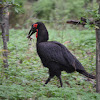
[(26, 75)]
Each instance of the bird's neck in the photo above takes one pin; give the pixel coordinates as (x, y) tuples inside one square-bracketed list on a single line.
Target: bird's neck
[(42, 35)]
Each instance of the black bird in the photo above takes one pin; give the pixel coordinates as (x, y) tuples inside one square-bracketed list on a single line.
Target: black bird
[(54, 55)]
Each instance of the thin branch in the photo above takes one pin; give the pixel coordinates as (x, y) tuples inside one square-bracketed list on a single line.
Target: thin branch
[(76, 22), (83, 22)]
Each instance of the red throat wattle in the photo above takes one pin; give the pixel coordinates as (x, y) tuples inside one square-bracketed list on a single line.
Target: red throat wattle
[(36, 33), (35, 25)]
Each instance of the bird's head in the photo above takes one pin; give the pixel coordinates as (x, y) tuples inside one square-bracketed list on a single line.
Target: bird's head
[(41, 32), (34, 28)]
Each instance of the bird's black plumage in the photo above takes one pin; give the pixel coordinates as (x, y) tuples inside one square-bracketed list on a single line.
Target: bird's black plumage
[(55, 56)]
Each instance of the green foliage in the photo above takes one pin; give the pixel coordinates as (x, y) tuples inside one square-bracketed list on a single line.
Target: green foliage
[(25, 76), (43, 8), (24, 12), (92, 15), (92, 11), (58, 9), (16, 4)]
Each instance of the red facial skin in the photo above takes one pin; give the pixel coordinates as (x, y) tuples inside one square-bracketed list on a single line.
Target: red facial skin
[(35, 25)]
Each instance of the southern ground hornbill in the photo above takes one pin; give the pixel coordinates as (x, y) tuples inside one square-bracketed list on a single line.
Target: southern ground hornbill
[(55, 56)]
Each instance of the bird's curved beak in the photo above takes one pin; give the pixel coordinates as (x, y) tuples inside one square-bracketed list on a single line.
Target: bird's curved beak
[(32, 31)]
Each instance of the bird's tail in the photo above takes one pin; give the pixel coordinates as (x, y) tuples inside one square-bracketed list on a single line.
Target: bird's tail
[(87, 74)]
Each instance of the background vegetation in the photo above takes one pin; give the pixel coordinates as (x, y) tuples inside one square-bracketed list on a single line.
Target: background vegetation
[(24, 78)]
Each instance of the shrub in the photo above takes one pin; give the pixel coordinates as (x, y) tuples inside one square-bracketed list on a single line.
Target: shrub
[(43, 8)]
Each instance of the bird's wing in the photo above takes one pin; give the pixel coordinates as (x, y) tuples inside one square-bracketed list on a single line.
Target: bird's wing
[(72, 60), (49, 51), (55, 51)]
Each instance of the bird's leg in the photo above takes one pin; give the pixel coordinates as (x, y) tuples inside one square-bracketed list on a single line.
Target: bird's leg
[(61, 84), (58, 74), (50, 76), (47, 81)]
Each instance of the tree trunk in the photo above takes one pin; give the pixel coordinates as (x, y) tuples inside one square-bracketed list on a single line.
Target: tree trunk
[(2, 22), (5, 51), (6, 21), (98, 55)]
